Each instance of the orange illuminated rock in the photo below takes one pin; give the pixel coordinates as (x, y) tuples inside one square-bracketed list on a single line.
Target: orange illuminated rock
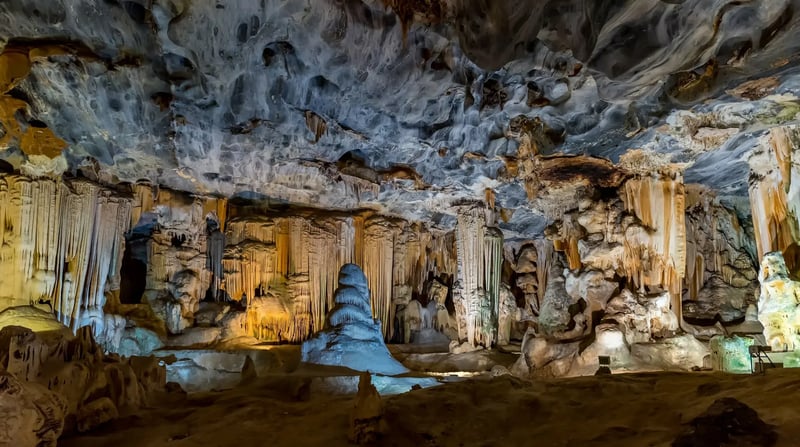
[(42, 141), (775, 192), (8, 108), (14, 66)]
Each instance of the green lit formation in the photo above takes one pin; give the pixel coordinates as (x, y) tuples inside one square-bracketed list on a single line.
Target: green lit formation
[(731, 354)]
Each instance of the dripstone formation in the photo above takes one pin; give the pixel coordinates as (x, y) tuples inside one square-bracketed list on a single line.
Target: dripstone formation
[(352, 338)]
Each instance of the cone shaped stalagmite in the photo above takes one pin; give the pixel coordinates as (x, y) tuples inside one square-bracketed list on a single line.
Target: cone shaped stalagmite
[(352, 338)]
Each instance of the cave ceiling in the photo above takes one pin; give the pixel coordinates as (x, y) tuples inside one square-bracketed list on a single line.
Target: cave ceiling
[(407, 107)]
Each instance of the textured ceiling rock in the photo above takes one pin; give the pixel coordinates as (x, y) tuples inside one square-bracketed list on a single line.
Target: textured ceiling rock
[(404, 107)]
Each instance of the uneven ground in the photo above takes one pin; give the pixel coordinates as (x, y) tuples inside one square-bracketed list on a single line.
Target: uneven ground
[(621, 410)]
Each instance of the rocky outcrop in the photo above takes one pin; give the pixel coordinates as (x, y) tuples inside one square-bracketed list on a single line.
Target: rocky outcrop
[(351, 337), (54, 381)]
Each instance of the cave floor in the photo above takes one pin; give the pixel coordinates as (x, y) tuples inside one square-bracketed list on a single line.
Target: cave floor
[(648, 409)]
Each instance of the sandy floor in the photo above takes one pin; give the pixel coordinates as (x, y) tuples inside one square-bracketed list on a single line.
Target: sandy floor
[(620, 410)]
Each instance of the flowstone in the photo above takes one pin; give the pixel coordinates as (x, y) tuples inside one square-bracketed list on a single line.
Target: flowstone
[(351, 337)]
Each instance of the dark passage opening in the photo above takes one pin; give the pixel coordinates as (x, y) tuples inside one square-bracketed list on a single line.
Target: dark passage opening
[(133, 274)]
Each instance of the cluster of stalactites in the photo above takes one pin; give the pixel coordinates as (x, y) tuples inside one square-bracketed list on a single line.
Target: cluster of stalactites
[(480, 257), (61, 244), (179, 243), (293, 263), (643, 238), (378, 266), (567, 242), (716, 243), (655, 253), (285, 269), (775, 194), (181, 211)]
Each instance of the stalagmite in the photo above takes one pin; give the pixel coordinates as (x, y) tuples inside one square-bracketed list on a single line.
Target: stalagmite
[(352, 338)]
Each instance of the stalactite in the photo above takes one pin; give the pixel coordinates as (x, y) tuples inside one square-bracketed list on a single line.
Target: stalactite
[(441, 257), (493, 261), (326, 250), (655, 255), (378, 267), (570, 234), (545, 259), (215, 252), (478, 257), (63, 244), (143, 198), (775, 193)]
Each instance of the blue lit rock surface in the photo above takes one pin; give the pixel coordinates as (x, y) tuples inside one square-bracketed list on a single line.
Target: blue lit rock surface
[(352, 338), (301, 100)]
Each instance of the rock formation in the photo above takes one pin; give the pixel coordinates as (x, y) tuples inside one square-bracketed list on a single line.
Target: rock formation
[(62, 246), (366, 417), (775, 193), (53, 381), (32, 415), (779, 304), (480, 255), (542, 186), (284, 268), (351, 337), (721, 275)]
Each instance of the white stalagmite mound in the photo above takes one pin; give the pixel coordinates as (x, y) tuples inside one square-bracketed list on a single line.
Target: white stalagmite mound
[(351, 337)]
